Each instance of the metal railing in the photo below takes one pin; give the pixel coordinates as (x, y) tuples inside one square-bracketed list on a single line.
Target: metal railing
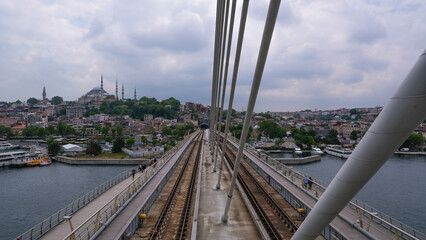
[(91, 226), (400, 229), (40, 229), (85, 230)]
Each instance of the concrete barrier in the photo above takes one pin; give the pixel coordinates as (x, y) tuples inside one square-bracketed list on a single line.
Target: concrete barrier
[(295, 161)]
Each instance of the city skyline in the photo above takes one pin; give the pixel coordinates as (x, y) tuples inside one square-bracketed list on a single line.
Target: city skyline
[(324, 55)]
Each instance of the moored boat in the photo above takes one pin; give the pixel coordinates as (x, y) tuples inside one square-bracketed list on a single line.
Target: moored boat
[(5, 145), (297, 151), (7, 158), (45, 161), (338, 151), (316, 151), (35, 162)]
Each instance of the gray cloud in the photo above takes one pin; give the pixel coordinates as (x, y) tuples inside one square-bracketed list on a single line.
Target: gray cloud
[(324, 54)]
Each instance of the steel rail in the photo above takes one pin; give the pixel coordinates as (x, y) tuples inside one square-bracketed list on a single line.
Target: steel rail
[(183, 223), (266, 222), (281, 213), (165, 212)]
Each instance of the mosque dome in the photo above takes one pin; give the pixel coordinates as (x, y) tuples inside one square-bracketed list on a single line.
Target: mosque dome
[(97, 93)]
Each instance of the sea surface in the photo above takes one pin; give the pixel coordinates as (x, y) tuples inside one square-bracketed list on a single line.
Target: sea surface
[(398, 188), (30, 195)]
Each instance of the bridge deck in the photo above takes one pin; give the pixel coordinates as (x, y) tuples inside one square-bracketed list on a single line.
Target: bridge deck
[(307, 197), (63, 229), (212, 205), (119, 225)]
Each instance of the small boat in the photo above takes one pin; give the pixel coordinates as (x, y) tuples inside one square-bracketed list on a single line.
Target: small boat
[(338, 151), (43, 161), (297, 151), (316, 151), (34, 163)]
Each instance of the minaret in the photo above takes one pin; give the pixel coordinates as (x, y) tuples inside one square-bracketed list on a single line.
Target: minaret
[(116, 89), (135, 93), (44, 93), (102, 86), (122, 92)]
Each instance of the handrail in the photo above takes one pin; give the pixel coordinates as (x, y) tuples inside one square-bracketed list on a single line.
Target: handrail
[(321, 186), (40, 229), (372, 215), (49, 223), (98, 218), (90, 227)]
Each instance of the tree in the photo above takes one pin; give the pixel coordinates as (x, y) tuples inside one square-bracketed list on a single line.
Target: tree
[(353, 111), (151, 130), (331, 137), (98, 128), (117, 145), (279, 142), (5, 131), (130, 141), (271, 129), (40, 132), (144, 139), (236, 130), (32, 101), (414, 140), (62, 128), (56, 100), (179, 131), (63, 111), (110, 97), (105, 130), (50, 130), (354, 135), (119, 129), (53, 147), (93, 148), (154, 142), (166, 130), (83, 131), (30, 131)]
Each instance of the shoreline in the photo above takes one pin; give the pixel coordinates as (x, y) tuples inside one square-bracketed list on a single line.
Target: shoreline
[(101, 161)]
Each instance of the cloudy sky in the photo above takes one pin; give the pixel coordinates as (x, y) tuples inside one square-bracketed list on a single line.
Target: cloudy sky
[(324, 54)]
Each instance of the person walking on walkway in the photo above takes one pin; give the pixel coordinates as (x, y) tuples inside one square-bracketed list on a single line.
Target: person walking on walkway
[(133, 174), (310, 182)]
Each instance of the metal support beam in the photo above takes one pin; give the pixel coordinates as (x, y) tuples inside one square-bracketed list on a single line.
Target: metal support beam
[(219, 110), (401, 115), (234, 79), (271, 18)]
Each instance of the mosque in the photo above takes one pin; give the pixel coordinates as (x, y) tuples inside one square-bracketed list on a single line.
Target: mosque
[(98, 93)]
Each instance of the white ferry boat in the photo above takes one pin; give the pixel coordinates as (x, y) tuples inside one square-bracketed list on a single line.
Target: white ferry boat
[(7, 158), (297, 151), (338, 151), (316, 151), (5, 145)]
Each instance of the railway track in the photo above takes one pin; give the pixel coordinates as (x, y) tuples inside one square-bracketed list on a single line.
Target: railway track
[(272, 210), (174, 219)]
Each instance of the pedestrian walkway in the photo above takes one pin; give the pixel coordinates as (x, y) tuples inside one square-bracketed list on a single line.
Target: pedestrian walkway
[(64, 228), (212, 204)]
